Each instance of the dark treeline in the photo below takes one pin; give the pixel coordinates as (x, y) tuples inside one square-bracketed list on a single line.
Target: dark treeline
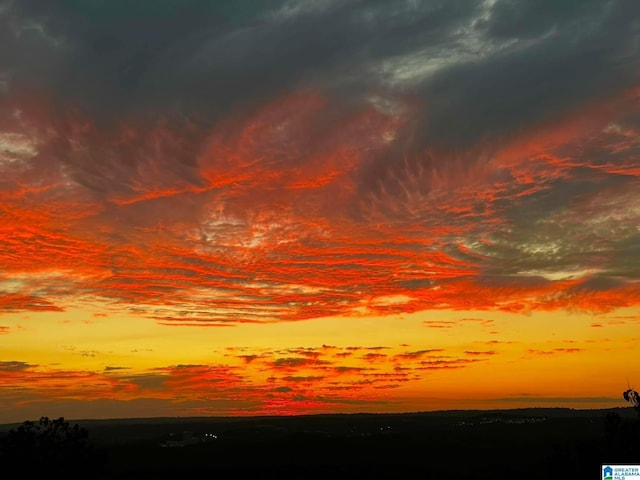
[(526, 444)]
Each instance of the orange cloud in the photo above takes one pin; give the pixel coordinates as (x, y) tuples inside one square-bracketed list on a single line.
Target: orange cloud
[(265, 217)]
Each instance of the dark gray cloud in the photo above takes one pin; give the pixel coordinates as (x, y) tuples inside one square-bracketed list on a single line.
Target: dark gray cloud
[(575, 51), (532, 18), (148, 381), (507, 63), (485, 71), (195, 59), (625, 262), (93, 56), (14, 366)]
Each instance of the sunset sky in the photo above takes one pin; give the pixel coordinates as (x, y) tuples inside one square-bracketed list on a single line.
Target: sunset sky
[(280, 207)]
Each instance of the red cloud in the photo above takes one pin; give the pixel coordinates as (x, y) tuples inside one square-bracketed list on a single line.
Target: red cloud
[(267, 217)]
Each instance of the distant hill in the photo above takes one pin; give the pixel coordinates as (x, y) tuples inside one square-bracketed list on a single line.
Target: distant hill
[(524, 443), (558, 412)]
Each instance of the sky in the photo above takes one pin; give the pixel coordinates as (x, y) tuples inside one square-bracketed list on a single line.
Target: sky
[(279, 207)]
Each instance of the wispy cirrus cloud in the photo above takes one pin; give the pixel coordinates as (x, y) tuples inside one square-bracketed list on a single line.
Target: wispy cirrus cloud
[(554, 351)]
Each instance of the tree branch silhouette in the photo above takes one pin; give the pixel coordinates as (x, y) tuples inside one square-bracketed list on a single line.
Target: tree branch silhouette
[(48, 445)]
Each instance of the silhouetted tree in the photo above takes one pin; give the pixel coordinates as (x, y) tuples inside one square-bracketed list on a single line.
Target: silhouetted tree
[(633, 398), (48, 445), (623, 435)]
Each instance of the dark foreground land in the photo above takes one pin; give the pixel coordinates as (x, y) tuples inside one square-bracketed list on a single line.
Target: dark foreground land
[(519, 444)]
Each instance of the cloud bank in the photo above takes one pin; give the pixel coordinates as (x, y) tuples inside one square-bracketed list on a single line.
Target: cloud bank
[(220, 163)]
